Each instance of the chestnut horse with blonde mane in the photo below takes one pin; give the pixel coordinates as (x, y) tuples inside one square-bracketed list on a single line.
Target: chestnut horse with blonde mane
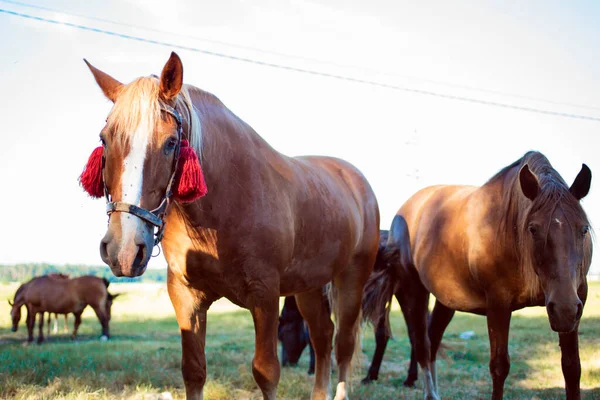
[(520, 240), (267, 225)]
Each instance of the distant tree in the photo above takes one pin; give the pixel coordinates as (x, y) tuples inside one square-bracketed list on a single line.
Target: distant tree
[(25, 272)]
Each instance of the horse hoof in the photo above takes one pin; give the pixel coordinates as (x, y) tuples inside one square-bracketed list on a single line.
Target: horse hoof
[(103, 338), (367, 381)]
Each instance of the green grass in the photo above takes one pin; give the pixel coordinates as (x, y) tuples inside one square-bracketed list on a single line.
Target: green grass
[(143, 357)]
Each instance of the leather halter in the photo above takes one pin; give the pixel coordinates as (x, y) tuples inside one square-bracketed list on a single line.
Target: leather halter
[(154, 217)]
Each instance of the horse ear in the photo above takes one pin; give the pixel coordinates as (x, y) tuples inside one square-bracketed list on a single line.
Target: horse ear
[(171, 78), (10, 303), (109, 85), (529, 183), (114, 296), (581, 186)]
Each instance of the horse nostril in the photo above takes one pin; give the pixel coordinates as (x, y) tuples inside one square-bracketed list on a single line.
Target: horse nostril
[(141, 254), (104, 251), (579, 310), (550, 307)]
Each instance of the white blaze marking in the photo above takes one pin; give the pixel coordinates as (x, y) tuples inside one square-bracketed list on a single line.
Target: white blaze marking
[(133, 177)]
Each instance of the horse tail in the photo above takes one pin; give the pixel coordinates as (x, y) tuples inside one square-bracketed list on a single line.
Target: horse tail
[(397, 249), (377, 297), (379, 288), (106, 282)]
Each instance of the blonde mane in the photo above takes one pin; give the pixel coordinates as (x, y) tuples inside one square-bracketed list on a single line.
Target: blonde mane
[(139, 102)]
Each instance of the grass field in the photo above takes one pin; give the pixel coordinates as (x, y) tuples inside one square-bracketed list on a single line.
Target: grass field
[(142, 359)]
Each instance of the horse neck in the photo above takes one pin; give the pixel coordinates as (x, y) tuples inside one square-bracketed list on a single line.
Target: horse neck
[(231, 152)]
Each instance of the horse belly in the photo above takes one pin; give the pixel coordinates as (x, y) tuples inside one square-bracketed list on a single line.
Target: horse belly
[(323, 266)]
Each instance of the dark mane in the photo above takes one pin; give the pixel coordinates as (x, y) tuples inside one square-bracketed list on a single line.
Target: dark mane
[(554, 192)]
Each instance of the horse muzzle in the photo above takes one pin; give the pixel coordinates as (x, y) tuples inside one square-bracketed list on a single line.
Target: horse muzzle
[(564, 316), (126, 257)]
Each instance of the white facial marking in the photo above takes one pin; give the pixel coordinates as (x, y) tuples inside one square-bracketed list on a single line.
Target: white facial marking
[(558, 221), (133, 177)]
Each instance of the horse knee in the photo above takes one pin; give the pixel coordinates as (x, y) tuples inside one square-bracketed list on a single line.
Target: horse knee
[(194, 376), (499, 367), (266, 372)]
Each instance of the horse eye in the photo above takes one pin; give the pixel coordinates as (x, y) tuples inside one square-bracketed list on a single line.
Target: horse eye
[(171, 143), (585, 230), (532, 229)]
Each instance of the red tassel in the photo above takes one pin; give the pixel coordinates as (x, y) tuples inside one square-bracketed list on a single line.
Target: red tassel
[(91, 177), (189, 180)]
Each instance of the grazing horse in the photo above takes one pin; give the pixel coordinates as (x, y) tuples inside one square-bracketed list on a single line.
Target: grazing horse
[(520, 240), (267, 225), (383, 283), (293, 334), (62, 296)]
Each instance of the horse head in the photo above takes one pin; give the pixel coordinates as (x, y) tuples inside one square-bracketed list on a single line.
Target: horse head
[(136, 168), (15, 314), (556, 232), (109, 302), (292, 333)]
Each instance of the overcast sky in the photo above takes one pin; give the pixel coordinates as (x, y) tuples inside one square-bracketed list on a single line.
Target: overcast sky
[(535, 54)]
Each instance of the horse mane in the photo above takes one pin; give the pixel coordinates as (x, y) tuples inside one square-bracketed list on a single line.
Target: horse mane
[(139, 102), (20, 291), (513, 228)]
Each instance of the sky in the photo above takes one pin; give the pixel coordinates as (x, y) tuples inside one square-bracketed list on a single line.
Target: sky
[(537, 54)]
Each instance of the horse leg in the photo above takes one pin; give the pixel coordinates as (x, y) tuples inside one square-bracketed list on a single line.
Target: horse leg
[(55, 324), (438, 322), (414, 303), (41, 330), (66, 328), (381, 339), (190, 310), (498, 321), (315, 311), (413, 368), (570, 363), (103, 318), (30, 324), (49, 321), (265, 365), (311, 364), (348, 291), (76, 324)]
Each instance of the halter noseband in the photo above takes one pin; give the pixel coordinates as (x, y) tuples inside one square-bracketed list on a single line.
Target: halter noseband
[(154, 217)]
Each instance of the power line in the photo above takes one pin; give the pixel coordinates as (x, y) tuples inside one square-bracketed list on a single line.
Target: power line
[(304, 70), (296, 57)]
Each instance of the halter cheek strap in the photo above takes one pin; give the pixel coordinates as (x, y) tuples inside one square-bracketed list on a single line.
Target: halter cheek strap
[(154, 217)]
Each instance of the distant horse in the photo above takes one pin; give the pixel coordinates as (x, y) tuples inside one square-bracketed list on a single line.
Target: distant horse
[(268, 225), (61, 296), (379, 289), (520, 240), (66, 326)]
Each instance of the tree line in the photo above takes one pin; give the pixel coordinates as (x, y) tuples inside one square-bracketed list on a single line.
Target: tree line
[(25, 272)]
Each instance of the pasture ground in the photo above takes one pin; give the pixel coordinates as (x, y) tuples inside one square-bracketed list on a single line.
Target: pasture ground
[(142, 359)]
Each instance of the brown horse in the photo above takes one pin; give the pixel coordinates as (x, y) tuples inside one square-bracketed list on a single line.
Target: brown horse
[(520, 240), (269, 226), (61, 296)]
